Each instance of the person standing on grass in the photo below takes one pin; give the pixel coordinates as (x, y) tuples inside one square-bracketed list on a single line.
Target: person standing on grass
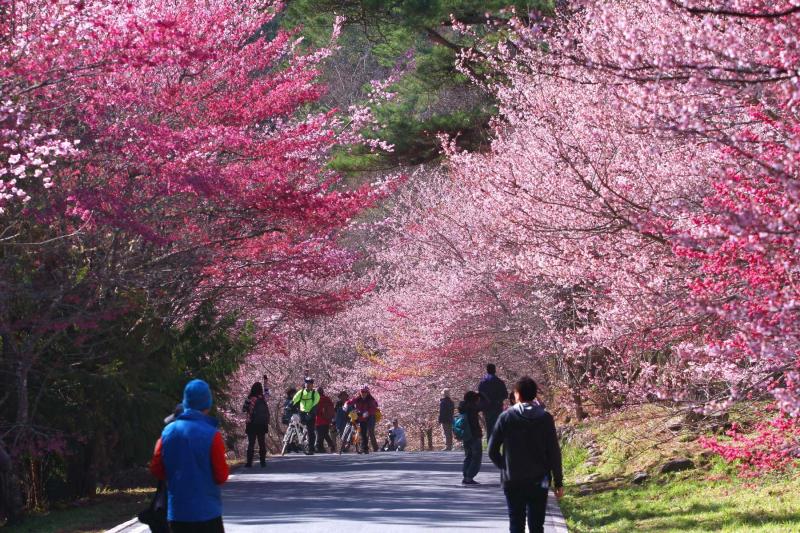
[(493, 393), (325, 413), (446, 408), (530, 459), (190, 456), (473, 449), (257, 411)]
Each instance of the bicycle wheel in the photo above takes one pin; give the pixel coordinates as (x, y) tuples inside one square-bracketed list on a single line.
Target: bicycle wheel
[(287, 439), (344, 445)]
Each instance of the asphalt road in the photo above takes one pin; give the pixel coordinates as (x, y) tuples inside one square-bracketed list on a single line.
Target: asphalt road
[(377, 493)]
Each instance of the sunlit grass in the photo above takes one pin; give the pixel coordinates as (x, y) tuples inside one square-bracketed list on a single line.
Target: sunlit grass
[(686, 504), (711, 497), (107, 509)]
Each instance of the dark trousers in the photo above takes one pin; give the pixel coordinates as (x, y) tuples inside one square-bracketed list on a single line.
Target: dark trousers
[(473, 453), (447, 431), (530, 499), (372, 438), (490, 417), (324, 434), (209, 526), (251, 445), (308, 420), (363, 430)]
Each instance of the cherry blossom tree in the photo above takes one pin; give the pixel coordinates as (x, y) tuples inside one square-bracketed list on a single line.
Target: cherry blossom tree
[(163, 157), (636, 208)]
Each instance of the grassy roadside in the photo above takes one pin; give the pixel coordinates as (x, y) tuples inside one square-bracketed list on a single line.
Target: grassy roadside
[(710, 497), (99, 513), (684, 503)]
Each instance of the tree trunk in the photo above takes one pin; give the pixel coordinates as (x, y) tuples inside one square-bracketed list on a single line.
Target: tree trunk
[(23, 406), (577, 401)]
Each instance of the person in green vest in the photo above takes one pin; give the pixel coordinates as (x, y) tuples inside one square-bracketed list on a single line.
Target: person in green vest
[(307, 399)]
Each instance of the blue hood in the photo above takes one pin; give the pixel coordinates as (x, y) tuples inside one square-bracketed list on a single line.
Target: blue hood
[(197, 395), (192, 414)]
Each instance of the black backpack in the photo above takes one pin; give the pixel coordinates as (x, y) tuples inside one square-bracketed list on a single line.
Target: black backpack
[(259, 412), (288, 410)]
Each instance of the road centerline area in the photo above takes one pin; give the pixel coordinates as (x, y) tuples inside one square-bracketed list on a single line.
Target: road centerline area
[(376, 493)]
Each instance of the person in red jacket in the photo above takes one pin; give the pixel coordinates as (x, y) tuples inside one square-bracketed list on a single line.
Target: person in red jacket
[(190, 456), (366, 406), (325, 414)]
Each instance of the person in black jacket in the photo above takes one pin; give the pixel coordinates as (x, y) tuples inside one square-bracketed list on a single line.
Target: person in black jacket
[(257, 411), (530, 459), (473, 451), (493, 393), (446, 408)]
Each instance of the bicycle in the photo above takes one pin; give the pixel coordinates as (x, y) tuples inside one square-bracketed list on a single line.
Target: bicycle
[(296, 434), (350, 435)]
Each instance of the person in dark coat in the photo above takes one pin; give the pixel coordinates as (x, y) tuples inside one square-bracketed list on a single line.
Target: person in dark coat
[(255, 406), (473, 450), (155, 515), (446, 408), (493, 393), (524, 446), (340, 419)]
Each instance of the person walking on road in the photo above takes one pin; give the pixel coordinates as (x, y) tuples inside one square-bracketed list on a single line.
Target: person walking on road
[(365, 406), (325, 413), (446, 408), (190, 456), (307, 399), (255, 406), (493, 393), (530, 459), (473, 449)]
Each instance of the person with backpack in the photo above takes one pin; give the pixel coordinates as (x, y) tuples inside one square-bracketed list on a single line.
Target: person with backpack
[(468, 428), (190, 456), (155, 515), (524, 446), (307, 399), (257, 411), (325, 414), (493, 393), (446, 408)]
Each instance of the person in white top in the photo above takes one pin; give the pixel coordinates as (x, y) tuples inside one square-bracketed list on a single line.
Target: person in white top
[(398, 436)]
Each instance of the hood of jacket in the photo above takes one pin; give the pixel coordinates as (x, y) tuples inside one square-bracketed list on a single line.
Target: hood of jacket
[(528, 411), (198, 416)]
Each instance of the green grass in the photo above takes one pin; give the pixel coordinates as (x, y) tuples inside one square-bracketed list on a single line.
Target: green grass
[(685, 504), (573, 458), (102, 512), (711, 497)]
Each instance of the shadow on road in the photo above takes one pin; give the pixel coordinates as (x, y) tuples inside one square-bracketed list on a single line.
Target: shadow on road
[(411, 489)]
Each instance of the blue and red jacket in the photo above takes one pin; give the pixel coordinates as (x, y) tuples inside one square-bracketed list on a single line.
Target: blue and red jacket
[(190, 456)]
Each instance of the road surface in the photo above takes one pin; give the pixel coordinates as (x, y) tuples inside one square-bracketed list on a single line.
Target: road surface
[(392, 492)]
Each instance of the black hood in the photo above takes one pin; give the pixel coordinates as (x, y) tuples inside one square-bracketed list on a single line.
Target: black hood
[(529, 411)]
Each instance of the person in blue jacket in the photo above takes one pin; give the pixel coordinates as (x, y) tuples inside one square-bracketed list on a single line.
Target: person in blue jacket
[(190, 456)]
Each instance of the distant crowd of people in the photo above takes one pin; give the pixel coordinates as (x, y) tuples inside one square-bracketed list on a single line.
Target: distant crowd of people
[(189, 457)]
